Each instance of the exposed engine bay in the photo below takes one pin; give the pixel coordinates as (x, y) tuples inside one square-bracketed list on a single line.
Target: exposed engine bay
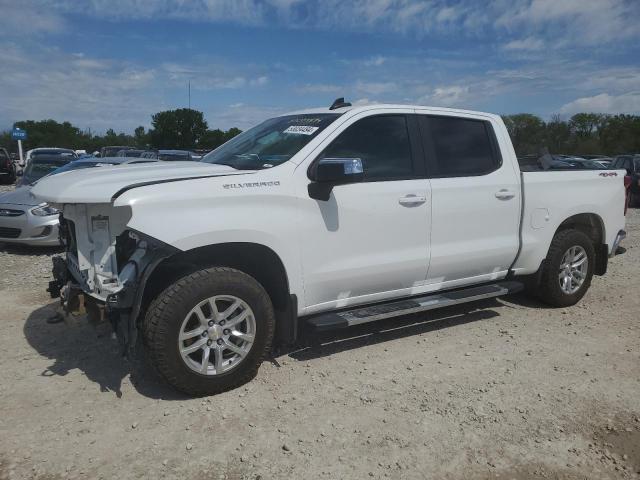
[(104, 266)]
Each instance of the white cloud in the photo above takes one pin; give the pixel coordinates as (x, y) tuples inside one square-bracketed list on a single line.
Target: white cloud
[(375, 88), (448, 96), (25, 18), (74, 88), (604, 103), (260, 81), (240, 115), (376, 61), (573, 22), (529, 43), (205, 74), (563, 23), (319, 88)]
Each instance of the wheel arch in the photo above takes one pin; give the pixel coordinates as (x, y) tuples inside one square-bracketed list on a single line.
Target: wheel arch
[(254, 259), (592, 225)]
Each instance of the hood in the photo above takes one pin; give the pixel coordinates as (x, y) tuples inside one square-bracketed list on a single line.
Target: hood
[(100, 185), (19, 196)]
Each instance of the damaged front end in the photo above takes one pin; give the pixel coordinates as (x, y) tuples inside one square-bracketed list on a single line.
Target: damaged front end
[(105, 267)]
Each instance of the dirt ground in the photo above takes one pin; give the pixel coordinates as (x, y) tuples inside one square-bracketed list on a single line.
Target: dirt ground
[(503, 389)]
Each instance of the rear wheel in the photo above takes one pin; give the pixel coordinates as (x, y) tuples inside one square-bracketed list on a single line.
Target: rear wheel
[(210, 331), (568, 269)]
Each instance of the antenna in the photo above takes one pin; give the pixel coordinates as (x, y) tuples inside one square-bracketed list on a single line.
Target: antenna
[(339, 103), (189, 94)]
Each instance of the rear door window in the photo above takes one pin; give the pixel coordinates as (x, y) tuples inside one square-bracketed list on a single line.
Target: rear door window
[(459, 147)]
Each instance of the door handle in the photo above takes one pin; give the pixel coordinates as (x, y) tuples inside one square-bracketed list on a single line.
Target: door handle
[(505, 194), (412, 200)]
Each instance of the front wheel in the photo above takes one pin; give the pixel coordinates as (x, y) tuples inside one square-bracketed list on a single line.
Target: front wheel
[(210, 331), (568, 269)]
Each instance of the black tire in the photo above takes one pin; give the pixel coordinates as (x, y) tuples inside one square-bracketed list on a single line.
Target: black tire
[(634, 200), (166, 313), (549, 290)]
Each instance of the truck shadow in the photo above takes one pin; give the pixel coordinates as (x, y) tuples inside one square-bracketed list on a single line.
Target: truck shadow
[(78, 345), (16, 249)]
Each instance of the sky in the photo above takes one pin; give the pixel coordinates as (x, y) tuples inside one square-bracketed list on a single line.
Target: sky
[(112, 63)]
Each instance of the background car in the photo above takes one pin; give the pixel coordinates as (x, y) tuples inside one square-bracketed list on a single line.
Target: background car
[(112, 151), (34, 152), (559, 162), (129, 152), (100, 162), (25, 220), (630, 163), (175, 155), (7, 167)]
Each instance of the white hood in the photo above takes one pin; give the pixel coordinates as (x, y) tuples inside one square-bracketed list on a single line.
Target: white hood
[(99, 185)]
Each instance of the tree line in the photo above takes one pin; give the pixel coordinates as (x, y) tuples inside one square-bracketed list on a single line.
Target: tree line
[(582, 134), (183, 129)]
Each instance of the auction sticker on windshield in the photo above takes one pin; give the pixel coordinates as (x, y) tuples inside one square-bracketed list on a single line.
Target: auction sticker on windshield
[(301, 129)]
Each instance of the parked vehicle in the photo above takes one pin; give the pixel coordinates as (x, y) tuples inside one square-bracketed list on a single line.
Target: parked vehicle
[(34, 152), (130, 152), (25, 219), (559, 162), (112, 151), (90, 162), (7, 167), (631, 163), (332, 217), (585, 164), (604, 161), (175, 155)]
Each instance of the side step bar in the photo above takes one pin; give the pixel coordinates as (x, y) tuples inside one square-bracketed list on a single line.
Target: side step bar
[(356, 316)]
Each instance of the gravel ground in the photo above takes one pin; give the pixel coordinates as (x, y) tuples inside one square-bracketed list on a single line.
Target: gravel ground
[(501, 389)]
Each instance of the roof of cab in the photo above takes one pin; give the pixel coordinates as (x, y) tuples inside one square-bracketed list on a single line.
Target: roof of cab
[(374, 106)]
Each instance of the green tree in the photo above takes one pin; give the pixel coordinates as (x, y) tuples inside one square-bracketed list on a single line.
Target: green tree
[(214, 138), (141, 137), (182, 128), (527, 132), (557, 134)]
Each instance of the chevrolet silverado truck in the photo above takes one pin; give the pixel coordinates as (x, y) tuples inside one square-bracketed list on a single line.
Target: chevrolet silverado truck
[(330, 217)]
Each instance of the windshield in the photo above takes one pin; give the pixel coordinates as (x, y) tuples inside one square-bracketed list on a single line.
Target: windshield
[(271, 143), (39, 167)]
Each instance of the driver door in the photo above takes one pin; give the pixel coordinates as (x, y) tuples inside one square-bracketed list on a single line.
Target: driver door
[(370, 241)]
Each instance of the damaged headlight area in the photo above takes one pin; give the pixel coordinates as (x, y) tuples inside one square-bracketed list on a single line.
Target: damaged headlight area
[(113, 294)]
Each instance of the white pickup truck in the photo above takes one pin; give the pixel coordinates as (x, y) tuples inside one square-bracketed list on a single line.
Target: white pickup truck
[(333, 217)]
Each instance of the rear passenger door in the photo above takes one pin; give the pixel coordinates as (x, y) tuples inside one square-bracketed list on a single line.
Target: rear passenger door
[(475, 205)]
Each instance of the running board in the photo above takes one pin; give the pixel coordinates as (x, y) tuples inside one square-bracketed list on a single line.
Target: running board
[(356, 316)]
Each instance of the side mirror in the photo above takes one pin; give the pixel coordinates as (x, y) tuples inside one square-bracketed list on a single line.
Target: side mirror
[(329, 172)]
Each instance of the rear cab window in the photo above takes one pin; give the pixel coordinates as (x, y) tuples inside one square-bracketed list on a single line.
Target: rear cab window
[(459, 147)]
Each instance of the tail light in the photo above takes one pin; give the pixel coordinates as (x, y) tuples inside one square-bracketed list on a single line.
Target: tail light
[(627, 186)]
